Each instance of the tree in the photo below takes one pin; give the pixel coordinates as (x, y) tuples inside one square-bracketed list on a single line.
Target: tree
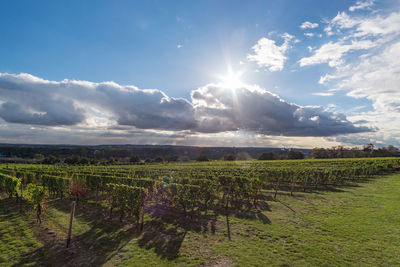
[(242, 156), (229, 157), (51, 160), (319, 153), (295, 155), (172, 158), (266, 156), (392, 149), (369, 148), (38, 156), (134, 159), (84, 161), (158, 160), (72, 160), (202, 157)]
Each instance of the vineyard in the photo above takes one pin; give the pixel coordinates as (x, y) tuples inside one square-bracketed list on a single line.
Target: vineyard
[(139, 194)]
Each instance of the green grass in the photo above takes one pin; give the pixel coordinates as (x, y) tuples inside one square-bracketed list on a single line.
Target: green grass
[(59, 219), (17, 237), (357, 225)]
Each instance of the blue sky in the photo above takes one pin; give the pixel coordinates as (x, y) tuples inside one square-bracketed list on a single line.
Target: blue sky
[(185, 50)]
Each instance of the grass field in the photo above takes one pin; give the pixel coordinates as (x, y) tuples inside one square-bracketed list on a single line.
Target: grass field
[(356, 225)]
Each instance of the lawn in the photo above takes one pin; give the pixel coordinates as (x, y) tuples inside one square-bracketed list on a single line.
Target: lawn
[(353, 225)]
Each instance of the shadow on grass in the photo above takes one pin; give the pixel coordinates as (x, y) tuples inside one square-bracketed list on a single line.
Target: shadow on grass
[(37, 257), (286, 205), (299, 191), (164, 231), (104, 239), (167, 228), (17, 214), (108, 237), (92, 248), (165, 240), (252, 215)]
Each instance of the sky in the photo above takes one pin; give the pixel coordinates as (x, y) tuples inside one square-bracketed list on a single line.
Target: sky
[(207, 73)]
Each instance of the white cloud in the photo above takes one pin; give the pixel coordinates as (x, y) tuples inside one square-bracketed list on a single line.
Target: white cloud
[(324, 79), (309, 34), (323, 94), (361, 5), (363, 51), (363, 26), (308, 25), (377, 78), (270, 55), (332, 52), (389, 130), (179, 46), (358, 108), (375, 73)]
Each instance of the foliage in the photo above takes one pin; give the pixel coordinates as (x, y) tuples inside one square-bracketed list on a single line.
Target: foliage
[(240, 187), (128, 199), (9, 184), (134, 159), (36, 194), (229, 157), (266, 156), (295, 155), (355, 152), (202, 157), (194, 187), (78, 189), (55, 184)]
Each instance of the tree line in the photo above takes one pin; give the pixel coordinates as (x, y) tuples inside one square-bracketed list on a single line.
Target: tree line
[(368, 150)]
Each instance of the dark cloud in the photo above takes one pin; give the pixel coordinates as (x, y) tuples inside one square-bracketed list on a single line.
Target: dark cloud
[(145, 109), (30, 100), (254, 109), (27, 101), (64, 114)]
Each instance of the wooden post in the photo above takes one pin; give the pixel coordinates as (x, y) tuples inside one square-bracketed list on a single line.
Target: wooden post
[(276, 188), (228, 226), (142, 222), (227, 214), (70, 223), (22, 197)]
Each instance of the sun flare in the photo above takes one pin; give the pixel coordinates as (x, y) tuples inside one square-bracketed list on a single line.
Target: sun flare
[(232, 80)]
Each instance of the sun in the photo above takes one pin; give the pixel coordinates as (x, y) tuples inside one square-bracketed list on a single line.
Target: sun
[(232, 80)]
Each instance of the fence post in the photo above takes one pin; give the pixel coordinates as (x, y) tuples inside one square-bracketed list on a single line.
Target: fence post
[(70, 223)]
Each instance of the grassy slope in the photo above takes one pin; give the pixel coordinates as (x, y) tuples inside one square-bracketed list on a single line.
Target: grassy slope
[(355, 226)]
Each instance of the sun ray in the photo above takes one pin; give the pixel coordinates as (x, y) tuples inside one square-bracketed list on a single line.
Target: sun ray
[(231, 79)]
